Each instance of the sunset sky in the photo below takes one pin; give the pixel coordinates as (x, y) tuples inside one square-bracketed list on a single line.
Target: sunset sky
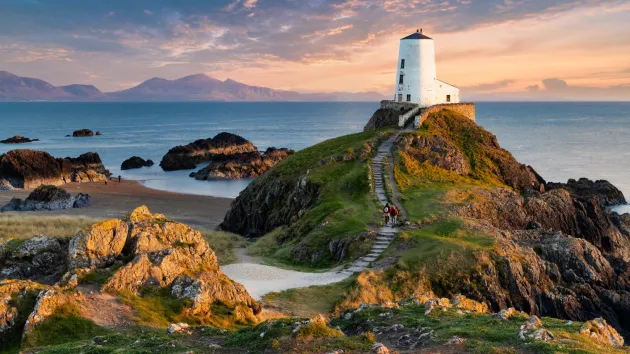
[(495, 50)]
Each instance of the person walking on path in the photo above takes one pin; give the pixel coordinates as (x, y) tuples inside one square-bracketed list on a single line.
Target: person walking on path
[(119, 179), (393, 213), (105, 180), (386, 210)]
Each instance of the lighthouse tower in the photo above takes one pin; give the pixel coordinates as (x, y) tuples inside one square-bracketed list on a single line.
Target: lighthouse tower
[(416, 78)]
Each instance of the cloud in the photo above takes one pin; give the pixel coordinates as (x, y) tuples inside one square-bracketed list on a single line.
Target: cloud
[(487, 87), (250, 3)]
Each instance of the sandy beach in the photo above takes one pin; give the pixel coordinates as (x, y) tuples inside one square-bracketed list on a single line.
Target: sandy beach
[(115, 199)]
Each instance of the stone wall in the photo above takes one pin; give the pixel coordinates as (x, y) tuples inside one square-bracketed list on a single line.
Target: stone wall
[(401, 107), (465, 109)]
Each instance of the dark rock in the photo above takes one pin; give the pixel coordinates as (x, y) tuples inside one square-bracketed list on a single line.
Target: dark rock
[(41, 259), (47, 197), (135, 162), (17, 140), (86, 168), (267, 203), (608, 194), (82, 133), (187, 157), (29, 168), (98, 133), (533, 225), (383, 118), (243, 165)]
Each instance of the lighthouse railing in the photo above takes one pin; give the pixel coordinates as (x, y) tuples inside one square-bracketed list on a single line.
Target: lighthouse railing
[(403, 118)]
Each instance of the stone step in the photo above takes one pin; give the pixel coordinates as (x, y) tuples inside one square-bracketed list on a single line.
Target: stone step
[(360, 263), (356, 269), (387, 239), (370, 258), (374, 254)]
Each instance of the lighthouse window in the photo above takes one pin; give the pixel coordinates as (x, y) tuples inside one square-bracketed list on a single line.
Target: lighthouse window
[(408, 98), (448, 98), (402, 64), (400, 81)]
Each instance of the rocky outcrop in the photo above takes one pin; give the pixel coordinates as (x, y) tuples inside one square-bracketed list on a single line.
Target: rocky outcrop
[(10, 312), (82, 133), (48, 302), (187, 157), (17, 140), (135, 162), (171, 255), (599, 330), (47, 197), (435, 151), (384, 118), (608, 194), (243, 165), (40, 259), (31, 168), (267, 203), (99, 245)]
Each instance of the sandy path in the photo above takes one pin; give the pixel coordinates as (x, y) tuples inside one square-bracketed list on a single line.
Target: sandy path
[(115, 199)]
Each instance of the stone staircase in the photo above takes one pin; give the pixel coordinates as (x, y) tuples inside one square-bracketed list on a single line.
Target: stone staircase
[(386, 234)]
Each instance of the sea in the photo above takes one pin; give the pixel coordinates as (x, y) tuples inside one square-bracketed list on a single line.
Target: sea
[(561, 140)]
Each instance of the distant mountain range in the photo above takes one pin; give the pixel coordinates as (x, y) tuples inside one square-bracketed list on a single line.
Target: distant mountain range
[(198, 87)]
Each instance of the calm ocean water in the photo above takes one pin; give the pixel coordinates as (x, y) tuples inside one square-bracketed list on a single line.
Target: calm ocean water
[(561, 140)]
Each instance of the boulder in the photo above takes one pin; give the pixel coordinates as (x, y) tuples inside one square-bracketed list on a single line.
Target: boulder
[(243, 165), (99, 245), (601, 331), (135, 162), (17, 140), (87, 167), (10, 326), (187, 157), (82, 133), (29, 168), (97, 133), (48, 197), (607, 194), (40, 259), (48, 302)]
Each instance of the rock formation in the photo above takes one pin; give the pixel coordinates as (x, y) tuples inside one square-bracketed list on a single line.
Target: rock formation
[(48, 197), (135, 162), (31, 168), (242, 165), (187, 157), (82, 133), (384, 118), (17, 140)]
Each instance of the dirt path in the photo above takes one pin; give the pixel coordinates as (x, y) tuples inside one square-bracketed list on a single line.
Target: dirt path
[(105, 309), (260, 279)]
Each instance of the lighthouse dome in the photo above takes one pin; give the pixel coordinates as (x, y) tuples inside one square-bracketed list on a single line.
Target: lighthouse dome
[(417, 35)]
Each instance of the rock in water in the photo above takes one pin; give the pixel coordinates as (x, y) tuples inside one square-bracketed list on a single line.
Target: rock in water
[(86, 168), (82, 133), (17, 140), (135, 162), (204, 150), (243, 165), (48, 197)]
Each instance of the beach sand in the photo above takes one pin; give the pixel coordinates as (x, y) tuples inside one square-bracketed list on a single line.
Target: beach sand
[(115, 199)]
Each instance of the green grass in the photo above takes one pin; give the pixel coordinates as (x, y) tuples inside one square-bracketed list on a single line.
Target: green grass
[(65, 325), (308, 301), (224, 244)]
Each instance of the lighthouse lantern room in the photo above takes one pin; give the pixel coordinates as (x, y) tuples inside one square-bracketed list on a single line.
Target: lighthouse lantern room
[(416, 78)]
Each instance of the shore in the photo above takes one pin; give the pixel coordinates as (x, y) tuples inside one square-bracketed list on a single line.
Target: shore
[(115, 199)]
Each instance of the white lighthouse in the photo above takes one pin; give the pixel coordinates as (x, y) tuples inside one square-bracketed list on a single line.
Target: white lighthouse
[(416, 78)]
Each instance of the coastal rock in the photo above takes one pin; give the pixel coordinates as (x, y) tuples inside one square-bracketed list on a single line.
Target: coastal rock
[(601, 331), (82, 133), (10, 328), (99, 245), (29, 168), (135, 162), (608, 194), (48, 302), (47, 197), (40, 259), (384, 118), (17, 140), (187, 157), (171, 255), (98, 133), (87, 167), (243, 165), (435, 151)]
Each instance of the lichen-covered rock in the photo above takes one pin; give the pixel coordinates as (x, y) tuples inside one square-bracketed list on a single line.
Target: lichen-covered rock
[(40, 259), (99, 245), (187, 157), (601, 331), (9, 314), (135, 162), (171, 255), (48, 302), (463, 303)]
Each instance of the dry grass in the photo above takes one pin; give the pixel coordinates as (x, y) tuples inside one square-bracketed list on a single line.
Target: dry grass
[(224, 244), (23, 226)]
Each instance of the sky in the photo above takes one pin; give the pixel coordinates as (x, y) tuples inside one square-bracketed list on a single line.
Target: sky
[(491, 49)]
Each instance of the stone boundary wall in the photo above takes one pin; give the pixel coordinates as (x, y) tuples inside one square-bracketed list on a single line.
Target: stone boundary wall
[(465, 109), (402, 106)]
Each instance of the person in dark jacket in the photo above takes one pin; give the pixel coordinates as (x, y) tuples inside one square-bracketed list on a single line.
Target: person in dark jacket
[(386, 210)]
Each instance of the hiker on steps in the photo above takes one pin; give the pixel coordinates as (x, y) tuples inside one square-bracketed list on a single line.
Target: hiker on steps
[(386, 211), (393, 214)]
